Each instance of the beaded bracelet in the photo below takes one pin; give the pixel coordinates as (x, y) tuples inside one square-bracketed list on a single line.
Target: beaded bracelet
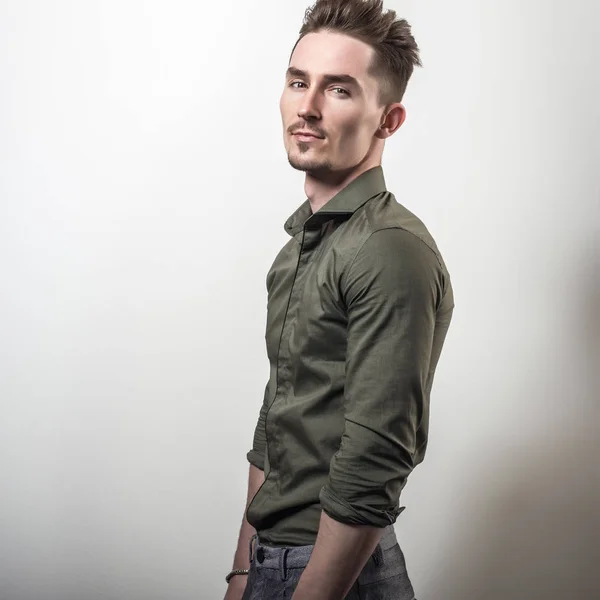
[(236, 572)]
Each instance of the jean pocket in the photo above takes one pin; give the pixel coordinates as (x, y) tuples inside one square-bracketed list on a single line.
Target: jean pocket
[(397, 587), (254, 584), (389, 563)]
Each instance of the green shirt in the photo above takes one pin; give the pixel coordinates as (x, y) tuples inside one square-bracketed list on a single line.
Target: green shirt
[(359, 303)]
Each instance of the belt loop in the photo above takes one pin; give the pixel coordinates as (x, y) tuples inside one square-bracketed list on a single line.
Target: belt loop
[(283, 564), (250, 549)]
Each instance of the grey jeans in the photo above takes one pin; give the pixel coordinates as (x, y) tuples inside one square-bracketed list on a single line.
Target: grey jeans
[(275, 571)]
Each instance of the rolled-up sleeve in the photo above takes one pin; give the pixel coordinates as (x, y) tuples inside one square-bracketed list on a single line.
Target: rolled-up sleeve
[(256, 455), (391, 291)]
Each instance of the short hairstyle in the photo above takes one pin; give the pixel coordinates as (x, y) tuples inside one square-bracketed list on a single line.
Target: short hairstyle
[(396, 52)]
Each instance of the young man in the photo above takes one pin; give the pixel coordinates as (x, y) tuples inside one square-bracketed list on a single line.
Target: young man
[(359, 303)]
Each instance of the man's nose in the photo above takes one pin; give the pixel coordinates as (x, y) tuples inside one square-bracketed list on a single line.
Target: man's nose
[(309, 108)]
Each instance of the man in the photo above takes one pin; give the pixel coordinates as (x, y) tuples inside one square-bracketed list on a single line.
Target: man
[(359, 303)]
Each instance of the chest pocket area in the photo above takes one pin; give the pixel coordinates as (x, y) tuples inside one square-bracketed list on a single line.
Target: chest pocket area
[(322, 315)]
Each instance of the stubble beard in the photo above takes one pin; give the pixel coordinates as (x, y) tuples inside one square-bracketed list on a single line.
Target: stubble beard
[(314, 166)]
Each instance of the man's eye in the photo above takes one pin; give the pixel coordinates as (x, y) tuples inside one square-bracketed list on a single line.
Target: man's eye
[(339, 91)]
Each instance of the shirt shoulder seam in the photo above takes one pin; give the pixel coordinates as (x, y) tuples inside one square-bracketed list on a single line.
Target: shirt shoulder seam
[(349, 266)]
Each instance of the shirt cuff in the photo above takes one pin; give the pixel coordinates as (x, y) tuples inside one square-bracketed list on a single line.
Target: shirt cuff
[(356, 514), (256, 459)]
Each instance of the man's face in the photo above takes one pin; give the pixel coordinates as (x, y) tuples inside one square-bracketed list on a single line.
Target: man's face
[(344, 113)]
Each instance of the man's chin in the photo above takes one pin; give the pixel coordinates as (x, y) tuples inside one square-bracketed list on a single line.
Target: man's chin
[(310, 166)]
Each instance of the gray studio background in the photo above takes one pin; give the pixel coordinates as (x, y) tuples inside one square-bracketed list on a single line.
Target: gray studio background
[(143, 191)]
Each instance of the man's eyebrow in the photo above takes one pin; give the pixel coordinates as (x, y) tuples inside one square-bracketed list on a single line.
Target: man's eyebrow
[(329, 78)]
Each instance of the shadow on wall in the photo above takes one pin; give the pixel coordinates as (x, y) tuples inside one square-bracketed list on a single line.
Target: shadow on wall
[(536, 533)]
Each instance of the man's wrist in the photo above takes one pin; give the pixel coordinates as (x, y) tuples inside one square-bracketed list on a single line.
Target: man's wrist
[(236, 573)]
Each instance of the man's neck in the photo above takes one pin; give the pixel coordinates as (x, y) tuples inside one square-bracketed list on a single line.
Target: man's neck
[(319, 191)]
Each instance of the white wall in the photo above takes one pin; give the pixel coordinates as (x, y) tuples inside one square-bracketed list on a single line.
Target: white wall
[(137, 224)]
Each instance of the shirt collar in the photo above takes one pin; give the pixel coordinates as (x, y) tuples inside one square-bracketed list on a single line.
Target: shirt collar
[(346, 201)]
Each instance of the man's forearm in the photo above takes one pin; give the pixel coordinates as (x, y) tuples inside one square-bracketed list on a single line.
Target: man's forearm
[(256, 478), (341, 551)]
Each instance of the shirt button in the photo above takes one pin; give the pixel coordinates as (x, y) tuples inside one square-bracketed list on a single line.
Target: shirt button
[(260, 555)]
